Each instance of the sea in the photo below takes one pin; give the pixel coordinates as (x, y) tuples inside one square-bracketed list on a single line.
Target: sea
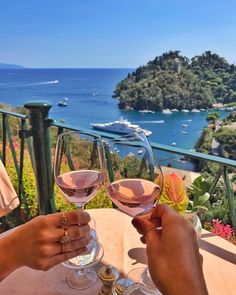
[(88, 93)]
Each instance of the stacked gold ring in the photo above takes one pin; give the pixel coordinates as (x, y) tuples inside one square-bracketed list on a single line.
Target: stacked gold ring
[(65, 238)]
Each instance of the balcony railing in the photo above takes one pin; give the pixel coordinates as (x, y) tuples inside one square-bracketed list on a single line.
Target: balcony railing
[(35, 132)]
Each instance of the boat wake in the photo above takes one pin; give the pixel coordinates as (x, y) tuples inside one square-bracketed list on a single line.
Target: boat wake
[(15, 85), (48, 82), (152, 122)]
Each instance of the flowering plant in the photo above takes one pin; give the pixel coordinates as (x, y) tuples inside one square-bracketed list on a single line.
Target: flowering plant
[(222, 230)]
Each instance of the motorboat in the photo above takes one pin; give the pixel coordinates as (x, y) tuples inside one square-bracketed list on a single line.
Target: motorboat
[(63, 102), (121, 127), (146, 112), (167, 112)]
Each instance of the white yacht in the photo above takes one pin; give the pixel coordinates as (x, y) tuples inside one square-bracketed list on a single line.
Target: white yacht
[(121, 126), (167, 112), (146, 112)]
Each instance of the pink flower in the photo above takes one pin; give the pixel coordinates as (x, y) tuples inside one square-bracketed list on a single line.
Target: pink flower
[(16, 145), (222, 230)]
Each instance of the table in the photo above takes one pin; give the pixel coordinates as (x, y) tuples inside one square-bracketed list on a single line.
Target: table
[(124, 250)]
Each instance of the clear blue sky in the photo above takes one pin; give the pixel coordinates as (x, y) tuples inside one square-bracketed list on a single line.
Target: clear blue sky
[(113, 33)]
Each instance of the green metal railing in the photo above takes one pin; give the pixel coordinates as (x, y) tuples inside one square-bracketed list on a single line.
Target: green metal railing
[(40, 151), (7, 135)]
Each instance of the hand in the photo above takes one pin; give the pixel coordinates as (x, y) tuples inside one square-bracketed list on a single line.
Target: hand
[(37, 243), (172, 250)]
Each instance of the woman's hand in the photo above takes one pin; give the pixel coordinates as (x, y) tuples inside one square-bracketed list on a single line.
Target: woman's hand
[(173, 254), (37, 243)]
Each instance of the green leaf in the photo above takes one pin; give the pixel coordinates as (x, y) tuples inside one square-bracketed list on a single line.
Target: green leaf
[(199, 207), (201, 200)]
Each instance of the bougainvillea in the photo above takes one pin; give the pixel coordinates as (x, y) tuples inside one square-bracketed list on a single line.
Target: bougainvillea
[(223, 230)]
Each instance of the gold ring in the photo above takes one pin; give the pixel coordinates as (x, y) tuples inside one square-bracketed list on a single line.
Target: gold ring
[(65, 239), (63, 219)]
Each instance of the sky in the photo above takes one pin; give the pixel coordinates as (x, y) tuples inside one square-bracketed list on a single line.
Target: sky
[(113, 33)]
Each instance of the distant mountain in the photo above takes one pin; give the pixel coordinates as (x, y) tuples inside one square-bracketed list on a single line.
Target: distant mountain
[(175, 82), (10, 66)]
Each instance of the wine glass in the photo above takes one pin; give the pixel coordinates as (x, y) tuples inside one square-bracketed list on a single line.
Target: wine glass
[(79, 166), (136, 179), (134, 284), (79, 170), (81, 274), (135, 176)]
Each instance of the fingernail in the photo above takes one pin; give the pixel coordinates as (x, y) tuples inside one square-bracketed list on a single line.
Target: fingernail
[(134, 222)]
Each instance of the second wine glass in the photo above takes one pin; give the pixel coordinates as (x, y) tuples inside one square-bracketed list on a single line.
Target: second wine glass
[(135, 176)]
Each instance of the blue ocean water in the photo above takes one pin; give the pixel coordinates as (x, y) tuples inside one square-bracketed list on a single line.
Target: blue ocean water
[(89, 94)]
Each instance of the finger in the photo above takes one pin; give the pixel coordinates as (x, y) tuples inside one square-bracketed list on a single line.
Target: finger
[(148, 216), (70, 217), (153, 236), (161, 210), (75, 232), (143, 240), (72, 246), (61, 257), (143, 224), (77, 244)]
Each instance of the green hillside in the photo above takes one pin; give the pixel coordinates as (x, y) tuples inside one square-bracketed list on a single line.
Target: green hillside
[(173, 81)]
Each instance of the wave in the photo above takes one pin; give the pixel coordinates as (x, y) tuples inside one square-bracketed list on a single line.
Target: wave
[(152, 122)]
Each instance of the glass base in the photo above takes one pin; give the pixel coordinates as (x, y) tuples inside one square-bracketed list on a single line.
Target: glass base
[(146, 284), (81, 279)]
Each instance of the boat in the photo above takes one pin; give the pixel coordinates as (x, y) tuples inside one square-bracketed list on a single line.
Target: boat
[(167, 112), (121, 127), (63, 102), (173, 144), (185, 111), (146, 112), (184, 125), (195, 111), (184, 132)]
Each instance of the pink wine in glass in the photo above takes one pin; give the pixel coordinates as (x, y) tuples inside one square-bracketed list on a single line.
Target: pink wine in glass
[(134, 196), (80, 186)]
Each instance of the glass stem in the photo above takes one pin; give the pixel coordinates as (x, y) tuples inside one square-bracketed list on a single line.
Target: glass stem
[(81, 272), (81, 206)]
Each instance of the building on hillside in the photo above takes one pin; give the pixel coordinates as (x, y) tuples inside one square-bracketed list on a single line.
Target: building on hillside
[(177, 65)]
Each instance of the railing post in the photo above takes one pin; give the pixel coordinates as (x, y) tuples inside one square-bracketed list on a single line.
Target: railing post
[(40, 132)]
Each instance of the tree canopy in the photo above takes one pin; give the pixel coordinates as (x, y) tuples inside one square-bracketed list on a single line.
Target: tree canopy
[(173, 81)]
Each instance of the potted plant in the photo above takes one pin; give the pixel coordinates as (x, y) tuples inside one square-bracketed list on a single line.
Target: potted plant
[(186, 202)]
